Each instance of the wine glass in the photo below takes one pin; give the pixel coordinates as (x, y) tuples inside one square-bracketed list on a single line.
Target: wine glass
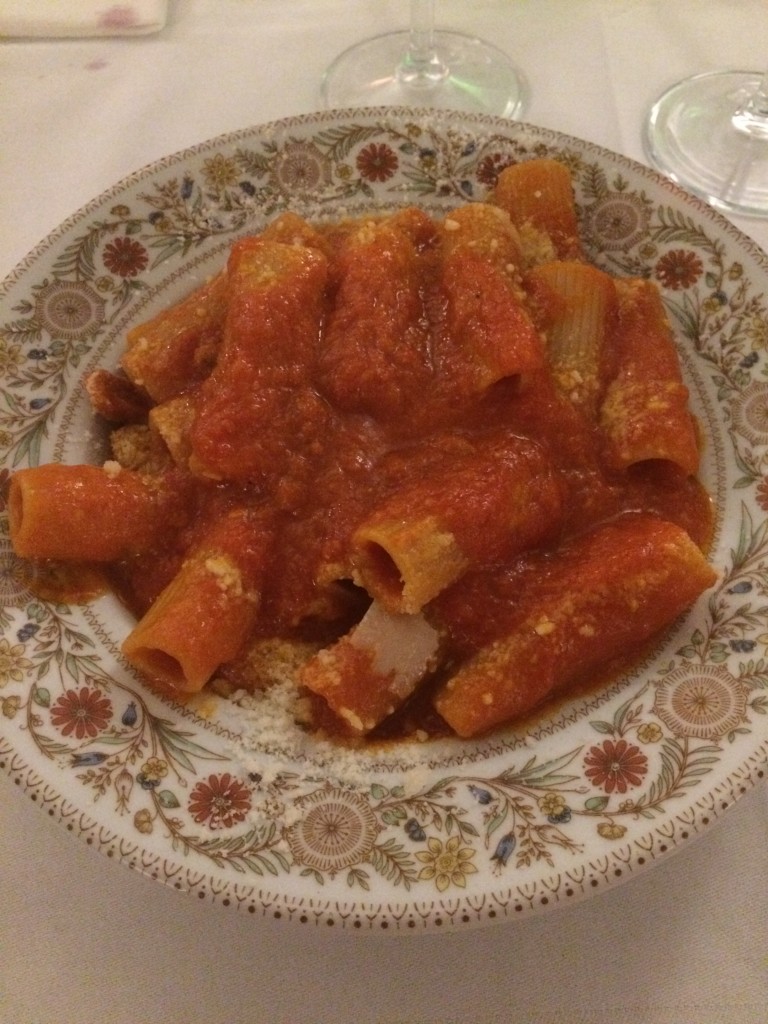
[(425, 67), (709, 133)]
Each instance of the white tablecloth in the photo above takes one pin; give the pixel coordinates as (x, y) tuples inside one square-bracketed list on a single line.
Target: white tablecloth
[(82, 939)]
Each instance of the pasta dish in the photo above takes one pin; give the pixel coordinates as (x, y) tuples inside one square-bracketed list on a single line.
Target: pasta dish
[(440, 469)]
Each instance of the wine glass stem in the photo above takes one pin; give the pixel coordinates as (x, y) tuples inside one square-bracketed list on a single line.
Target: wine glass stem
[(752, 117), (421, 65)]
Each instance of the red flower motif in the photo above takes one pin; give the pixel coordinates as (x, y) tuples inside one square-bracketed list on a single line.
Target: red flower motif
[(491, 166), (85, 713), (377, 162), (616, 766), (220, 802), (125, 257), (679, 269), (762, 494)]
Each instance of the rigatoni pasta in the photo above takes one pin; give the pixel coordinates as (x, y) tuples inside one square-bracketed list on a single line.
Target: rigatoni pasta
[(645, 413), (489, 331), (538, 196), (177, 348), (486, 504), (614, 586), (375, 338), (441, 467), (91, 513), (205, 614), (576, 308), (276, 296)]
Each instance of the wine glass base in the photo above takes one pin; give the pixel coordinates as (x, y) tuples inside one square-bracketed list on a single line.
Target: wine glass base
[(690, 136), (479, 78)]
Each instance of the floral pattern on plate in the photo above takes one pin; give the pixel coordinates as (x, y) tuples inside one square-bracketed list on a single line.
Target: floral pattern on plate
[(235, 803)]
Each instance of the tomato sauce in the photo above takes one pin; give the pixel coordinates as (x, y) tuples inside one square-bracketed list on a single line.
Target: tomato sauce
[(318, 434)]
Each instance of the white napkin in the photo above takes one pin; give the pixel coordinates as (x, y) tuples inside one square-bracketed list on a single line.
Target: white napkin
[(73, 18)]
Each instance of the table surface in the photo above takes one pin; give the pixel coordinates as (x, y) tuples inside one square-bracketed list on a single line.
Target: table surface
[(82, 939)]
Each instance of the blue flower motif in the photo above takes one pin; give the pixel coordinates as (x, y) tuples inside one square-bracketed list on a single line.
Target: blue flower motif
[(38, 353), (561, 818), (414, 831), (130, 715), (39, 403), (147, 783), (187, 186), (248, 187), (742, 587), (504, 850), (79, 760), (27, 631), (481, 795), (742, 646)]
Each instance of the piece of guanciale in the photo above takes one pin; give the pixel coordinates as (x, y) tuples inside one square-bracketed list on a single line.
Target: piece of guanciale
[(367, 674)]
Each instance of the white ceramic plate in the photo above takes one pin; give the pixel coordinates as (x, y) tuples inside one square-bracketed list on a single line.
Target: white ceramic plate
[(442, 834)]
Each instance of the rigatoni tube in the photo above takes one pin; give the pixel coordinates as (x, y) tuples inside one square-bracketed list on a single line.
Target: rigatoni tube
[(538, 194), (605, 593), (577, 306), (645, 413), (88, 513), (205, 615), (490, 333), (489, 504)]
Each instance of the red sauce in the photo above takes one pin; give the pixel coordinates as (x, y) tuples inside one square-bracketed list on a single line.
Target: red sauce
[(323, 457)]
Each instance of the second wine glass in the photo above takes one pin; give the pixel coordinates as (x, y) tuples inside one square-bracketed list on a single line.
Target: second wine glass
[(709, 133), (426, 67)]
